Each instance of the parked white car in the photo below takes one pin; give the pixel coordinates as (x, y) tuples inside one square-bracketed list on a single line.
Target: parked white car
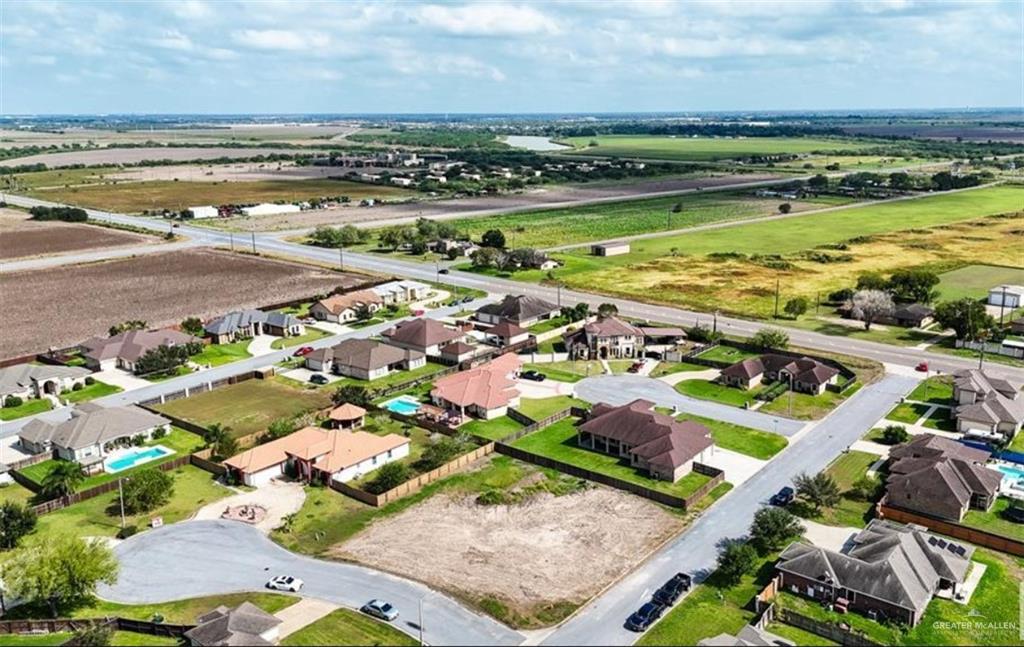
[(285, 583), (380, 609)]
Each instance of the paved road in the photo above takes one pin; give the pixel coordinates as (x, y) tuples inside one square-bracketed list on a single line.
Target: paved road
[(622, 389), (197, 558), (695, 551)]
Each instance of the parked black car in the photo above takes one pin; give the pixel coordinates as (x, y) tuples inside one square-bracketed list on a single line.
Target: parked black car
[(671, 591), (535, 376), (645, 616), (443, 270), (317, 378), (783, 497)]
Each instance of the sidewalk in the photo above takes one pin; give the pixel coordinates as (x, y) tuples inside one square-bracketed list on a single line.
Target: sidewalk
[(305, 612)]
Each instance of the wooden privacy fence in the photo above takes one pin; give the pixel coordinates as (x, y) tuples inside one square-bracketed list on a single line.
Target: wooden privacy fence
[(952, 529), (532, 426), (61, 625), (832, 632), (415, 484)]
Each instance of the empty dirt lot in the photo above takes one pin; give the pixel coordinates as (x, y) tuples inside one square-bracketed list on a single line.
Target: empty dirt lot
[(23, 238), (548, 551), (62, 306)]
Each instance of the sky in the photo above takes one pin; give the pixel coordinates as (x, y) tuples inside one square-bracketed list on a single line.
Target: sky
[(194, 56)]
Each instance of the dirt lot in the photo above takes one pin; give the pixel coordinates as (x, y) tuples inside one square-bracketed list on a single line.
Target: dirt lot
[(396, 213), (241, 172), (61, 306), (22, 238), (548, 550), (102, 156)]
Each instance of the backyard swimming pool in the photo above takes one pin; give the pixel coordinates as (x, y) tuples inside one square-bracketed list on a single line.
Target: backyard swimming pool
[(405, 405), (1013, 478), (119, 462)]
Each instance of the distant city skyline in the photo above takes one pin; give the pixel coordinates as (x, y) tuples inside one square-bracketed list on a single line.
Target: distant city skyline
[(528, 57)]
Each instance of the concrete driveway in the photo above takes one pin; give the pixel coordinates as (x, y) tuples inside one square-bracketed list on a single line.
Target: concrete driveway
[(198, 558), (547, 389), (738, 467), (279, 498), (622, 389), (123, 379), (303, 375)]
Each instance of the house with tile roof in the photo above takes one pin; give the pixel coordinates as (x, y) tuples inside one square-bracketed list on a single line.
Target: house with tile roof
[(805, 374), (653, 442), (315, 454), (246, 624), (987, 406), (605, 338), (486, 391), (124, 349), (423, 334), (364, 359), (939, 477), (345, 307), (891, 572)]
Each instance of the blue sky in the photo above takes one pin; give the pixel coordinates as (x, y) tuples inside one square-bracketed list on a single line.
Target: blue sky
[(276, 56)]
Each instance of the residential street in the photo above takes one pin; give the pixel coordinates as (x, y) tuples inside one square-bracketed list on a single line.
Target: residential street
[(198, 558), (622, 389)]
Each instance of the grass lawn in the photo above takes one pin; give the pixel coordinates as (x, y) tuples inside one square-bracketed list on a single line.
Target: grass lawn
[(946, 622), (974, 281), (347, 627), (178, 372), (1017, 445), (311, 334), (396, 377), (726, 354), (100, 516), (568, 370), (95, 390), (382, 424), (217, 354), (806, 406), (936, 390), (15, 493), (993, 520), (179, 440), (907, 413), (706, 390), (620, 366), (553, 345), (559, 442), (798, 636), (850, 511), (26, 408), (495, 429), (941, 419), (671, 368), (548, 324), (710, 609), (247, 407), (539, 408), (752, 442), (706, 148)]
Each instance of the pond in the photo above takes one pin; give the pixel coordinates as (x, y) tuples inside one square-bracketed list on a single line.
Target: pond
[(534, 143)]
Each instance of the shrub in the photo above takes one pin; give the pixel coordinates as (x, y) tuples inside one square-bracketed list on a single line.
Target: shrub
[(159, 433), (438, 454), (389, 476), (768, 338), (736, 559), (13, 401), (126, 532), (785, 207), (895, 435), (147, 489), (78, 386), (90, 380)]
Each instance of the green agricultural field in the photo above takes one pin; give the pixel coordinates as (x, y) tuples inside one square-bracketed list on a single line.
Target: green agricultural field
[(706, 148), (974, 281), (135, 197), (247, 407)]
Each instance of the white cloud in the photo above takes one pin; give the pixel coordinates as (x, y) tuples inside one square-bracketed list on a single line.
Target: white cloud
[(457, 65), (281, 39), (220, 54), (190, 9), (487, 20), (18, 31), (721, 47), (39, 59), (174, 39), (321, 74)]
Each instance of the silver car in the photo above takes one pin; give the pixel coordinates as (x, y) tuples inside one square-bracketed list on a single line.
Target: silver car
[(380, 609)]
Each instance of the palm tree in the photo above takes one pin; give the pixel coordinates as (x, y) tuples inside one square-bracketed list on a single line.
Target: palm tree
[(63, 479), (219, 439)]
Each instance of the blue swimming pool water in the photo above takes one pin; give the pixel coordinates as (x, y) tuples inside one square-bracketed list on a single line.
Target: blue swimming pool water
[(137, 457), (1011, 471), (405, 405)]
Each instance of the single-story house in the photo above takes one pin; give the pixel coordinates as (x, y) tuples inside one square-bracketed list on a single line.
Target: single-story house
[(913, 315), (605, 338), (806, 375), (609, 249), (1008, 296), (314, 454), (346, 416), (340, 308), (35, 380), (891, 572), (521, 310), (243, 324), (207, 211), (940, 477), (364, 359), (987, 406), (458, 352), (486, 391), (91, 433), (662, 336), (124, 349), (748, 636), (653, 442), (246, 624), (423, 334), (506, 333), (270, 209), (395, 292)]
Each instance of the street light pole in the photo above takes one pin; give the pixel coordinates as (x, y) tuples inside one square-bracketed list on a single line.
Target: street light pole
[(341, 258), (421, 621)]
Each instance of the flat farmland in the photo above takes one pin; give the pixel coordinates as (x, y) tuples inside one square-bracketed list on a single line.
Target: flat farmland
[(21, 237), (105, 156), (61, 306), (705, 148), (134, 197), (974, 281), (735, 268)]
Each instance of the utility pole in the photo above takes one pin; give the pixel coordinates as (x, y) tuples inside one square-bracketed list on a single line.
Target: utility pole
[(776, 298), (791, 394), (341, 258), (714, 322), (253, 232), (421, 621), (1002, 306), (559, 288), (231, 238), (817, 303), (120, 496)]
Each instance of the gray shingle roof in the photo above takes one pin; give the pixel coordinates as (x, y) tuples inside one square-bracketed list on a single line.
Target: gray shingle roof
[(92, 426), (239, 626), (655, 437), (234, 321), (422, 333), (365, 354), (518, 308), (133, 344), (803, 369), (15, 379)]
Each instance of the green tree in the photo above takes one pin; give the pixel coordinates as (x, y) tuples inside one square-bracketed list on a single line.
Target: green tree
[(16, 521), (97, 635), (735, 559), (353, 394), (796, 307), (131, 324), (820, 490), (439, 453), (866, 488), (967, 317), (219, 439), (577, 312), (917, 286), (147, 489), (63, 479), (193, 326), (485, 257), (390, 237), (607, 310), (768, 338), (493, 238), (895, 435), (279, 429), (389, 476), (872, 281), (785, 207), (62, 572), (363, 312), (819, 181), (773, 527)]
